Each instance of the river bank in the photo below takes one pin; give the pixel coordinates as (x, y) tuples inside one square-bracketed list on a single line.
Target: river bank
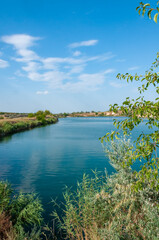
[(14, 125), (90, 114)]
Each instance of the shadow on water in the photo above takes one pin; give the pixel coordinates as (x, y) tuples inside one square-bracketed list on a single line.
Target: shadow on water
[(6, 139), (9, 137)]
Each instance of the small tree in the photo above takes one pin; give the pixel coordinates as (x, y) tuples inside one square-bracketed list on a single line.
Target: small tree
[(146, 145), (136, 111)]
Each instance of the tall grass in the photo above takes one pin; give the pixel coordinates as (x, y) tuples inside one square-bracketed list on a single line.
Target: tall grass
[(20, 214), (108, 207)]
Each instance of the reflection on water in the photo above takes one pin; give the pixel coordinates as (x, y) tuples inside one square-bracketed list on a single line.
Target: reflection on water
[(6, 139), (46, 159)]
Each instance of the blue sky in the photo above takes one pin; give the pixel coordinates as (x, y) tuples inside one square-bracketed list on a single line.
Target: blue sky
[(64, 55)]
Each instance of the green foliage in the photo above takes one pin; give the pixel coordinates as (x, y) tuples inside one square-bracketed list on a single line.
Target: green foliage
[(65, 114), (146, 145), (41, 116), (108, 208), (7, 128), (143, 8), (101, 115), (20, 211), (26, 209), (5, 194), (30, 115), (47, 112)]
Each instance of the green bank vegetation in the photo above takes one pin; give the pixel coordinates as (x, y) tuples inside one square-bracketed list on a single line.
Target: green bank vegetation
[(123, 206), (110, 207), (18, 213), (18, 123)]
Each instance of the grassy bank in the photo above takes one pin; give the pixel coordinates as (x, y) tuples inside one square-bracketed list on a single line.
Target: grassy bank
[(10, 125)]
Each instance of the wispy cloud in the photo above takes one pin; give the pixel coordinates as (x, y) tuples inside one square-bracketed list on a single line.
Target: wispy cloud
[(116, 84), (76, 53), (21, 43), (83, 43), (64, 73), (120, 60), (133, 68), (87, 81), (42, 92), (77, 68), (3, 63)]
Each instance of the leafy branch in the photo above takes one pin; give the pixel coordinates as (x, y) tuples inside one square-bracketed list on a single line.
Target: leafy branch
[(143, 8)]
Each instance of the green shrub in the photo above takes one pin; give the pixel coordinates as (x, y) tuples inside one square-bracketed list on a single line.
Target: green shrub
[(47, 112), (30, 115), (7, 127)]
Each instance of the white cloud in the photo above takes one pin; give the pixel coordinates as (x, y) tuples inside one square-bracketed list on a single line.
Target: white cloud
[(66, 73), (21, 43), (19, 73), (32, 67), (54, 63), (77, 69), (42, 92), (110, 70), (76, 53), (88, 81), (53, 78), (115, 84), (83, 43), (27, 55), (94, 79), (3, 63), (121, 60), (133, 68)]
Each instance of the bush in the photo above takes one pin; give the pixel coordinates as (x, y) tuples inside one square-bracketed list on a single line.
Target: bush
[(47, 112), (7, 127), (30, 115)]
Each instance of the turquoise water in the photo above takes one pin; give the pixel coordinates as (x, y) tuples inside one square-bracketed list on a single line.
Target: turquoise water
[(46, 159)]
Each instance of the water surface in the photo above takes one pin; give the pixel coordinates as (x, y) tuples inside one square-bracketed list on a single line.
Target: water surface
[(46, 159)]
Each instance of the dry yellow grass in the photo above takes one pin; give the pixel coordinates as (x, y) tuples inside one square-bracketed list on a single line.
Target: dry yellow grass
[(14, 120)]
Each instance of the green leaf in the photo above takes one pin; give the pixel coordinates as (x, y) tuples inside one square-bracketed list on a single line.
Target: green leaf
[(155, 17), (147, 4), (149, 13)]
